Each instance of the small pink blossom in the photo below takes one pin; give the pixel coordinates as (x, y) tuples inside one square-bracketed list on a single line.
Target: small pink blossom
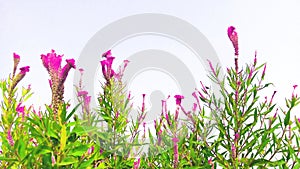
[(21, 111), (143, 104), (233, 150), (136, 164), (82, 93), (10, 138), (24, 70), (178, 99), (91, 150), (53, 160), (210, 162), (107, 54)]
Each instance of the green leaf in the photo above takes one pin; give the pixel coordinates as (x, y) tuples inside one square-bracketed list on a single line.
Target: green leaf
[(21, 149), (287, 118), (78, 151), (67, 161)]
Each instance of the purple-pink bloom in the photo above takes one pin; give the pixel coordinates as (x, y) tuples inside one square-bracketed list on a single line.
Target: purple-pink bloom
[(65, 70), (107, 54), (24, 70), (299, 120), (106, 64), (21, 110), (53, 160), (233, 36), (143, 104), (52, 62), (136, 164), (233, 150), (178, 99), (16, 56), (10, 138), (82, 93), (236, 136), (91, 150)]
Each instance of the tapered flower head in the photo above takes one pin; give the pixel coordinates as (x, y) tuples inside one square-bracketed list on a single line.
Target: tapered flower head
[(178, 99), (58, 75), (24, 70), (233, 36), (16, 62)]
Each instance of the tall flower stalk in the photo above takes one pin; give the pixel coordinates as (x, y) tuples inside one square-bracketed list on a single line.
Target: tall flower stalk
[(58, 76)]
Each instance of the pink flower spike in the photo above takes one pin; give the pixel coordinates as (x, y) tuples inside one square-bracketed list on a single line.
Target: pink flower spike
[(233, 38), (299, 120), (236, 136), (136, 164), (82, 93), (53, 160), (175, 140), (255, 60), (9, 138), (65, 70), (21, 111), (16, 56), (81, 70), (24, 70), (295, 86), (194, 107), (178, 99), (143, 104), (91, 150), (107, 54)]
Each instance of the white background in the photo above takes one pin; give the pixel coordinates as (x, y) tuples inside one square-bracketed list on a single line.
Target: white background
[(31, 28)]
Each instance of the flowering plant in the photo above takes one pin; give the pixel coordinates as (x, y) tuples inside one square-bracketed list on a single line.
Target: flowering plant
[(235, 127)]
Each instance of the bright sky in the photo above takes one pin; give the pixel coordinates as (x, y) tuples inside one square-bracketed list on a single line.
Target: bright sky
[(31, 28)]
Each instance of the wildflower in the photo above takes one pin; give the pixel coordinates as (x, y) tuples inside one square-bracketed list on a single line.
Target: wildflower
[(106, 64), (16, 63), (21, 111), (107, 54), (10, 138), (233, 38), (58, 75), (53, 160), (178, 99), (233, 150), (159, 139), (293, 94), (236, 136), (136, 164), (82, 93), (143, 104), (91, 150)]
